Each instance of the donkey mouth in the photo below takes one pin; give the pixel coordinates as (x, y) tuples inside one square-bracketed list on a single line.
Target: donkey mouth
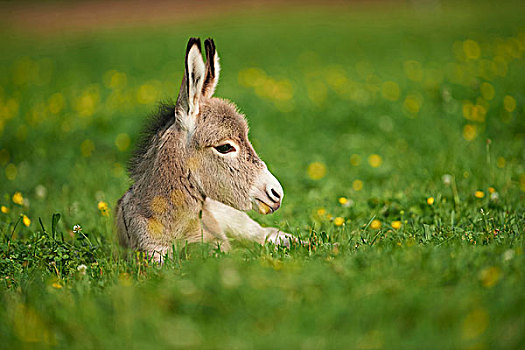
[(264, 207)]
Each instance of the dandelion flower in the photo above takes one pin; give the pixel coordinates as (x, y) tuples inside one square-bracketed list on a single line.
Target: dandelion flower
[(390, 90), (469, 132), (316, 170), (357, 185), (490, 276), (471, 49), (492, 190), (26, 221), (430, 200), (396, 225), (321, 211), (103, 207), (509, 103), (57, 285), (87, 147), (479, 194), (345, 202), (355, 160), (375, 224), (122, 142), (4, 209), (18, 198), (375, 160), (338, 221), (487, 91)]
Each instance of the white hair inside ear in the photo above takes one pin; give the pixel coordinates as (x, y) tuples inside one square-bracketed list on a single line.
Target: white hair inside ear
[(196, 71)]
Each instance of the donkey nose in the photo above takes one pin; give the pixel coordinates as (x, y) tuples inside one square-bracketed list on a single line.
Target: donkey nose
[(274, 193)]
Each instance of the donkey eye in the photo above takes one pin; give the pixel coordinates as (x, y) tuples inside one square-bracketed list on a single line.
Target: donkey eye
[(226, 148)]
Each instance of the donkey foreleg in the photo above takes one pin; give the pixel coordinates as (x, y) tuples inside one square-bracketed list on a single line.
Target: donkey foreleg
[(238, 224)]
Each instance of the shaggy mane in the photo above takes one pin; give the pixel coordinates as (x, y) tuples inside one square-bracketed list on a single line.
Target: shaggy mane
[(158, 121)]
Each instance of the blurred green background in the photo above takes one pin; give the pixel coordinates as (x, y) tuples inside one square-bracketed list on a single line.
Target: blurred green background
[(397, 130)]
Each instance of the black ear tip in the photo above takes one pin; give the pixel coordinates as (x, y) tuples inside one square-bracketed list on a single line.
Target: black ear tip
[(209, 43), (192, 42)]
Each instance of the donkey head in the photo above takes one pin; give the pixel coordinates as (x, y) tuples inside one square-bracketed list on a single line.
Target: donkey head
[(218, 153)]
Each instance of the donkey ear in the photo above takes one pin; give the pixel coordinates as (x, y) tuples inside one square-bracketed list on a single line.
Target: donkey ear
[(191, 87), (212, 68)]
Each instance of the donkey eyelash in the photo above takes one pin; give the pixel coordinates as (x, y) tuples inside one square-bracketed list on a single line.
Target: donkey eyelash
[(225, 148)]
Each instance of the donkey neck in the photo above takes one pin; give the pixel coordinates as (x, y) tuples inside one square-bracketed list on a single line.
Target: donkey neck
[(172, 193)]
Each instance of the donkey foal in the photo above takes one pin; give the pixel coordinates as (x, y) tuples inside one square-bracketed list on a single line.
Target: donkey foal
[(196, 171)]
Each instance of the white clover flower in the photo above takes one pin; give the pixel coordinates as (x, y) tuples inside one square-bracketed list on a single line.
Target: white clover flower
[(77, 228), (508, 255), (41, 192), (82, 269), (494, 196), (447, 179)]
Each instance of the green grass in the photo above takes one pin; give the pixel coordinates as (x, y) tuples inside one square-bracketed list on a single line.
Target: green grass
[(313, 88)]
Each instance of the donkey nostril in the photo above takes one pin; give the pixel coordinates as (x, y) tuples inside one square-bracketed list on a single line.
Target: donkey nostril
[(275, 193)]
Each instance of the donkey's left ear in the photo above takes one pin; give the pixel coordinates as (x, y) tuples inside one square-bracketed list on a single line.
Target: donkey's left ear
[(212, 68), (193, 80)]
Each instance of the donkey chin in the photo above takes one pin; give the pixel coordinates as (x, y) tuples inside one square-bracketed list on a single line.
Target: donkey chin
[(266, 193)]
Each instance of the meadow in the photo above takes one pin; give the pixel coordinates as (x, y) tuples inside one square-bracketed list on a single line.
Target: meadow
[(398, 134)]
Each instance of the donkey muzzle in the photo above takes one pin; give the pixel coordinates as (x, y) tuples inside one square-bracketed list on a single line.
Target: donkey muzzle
[(267, 193)]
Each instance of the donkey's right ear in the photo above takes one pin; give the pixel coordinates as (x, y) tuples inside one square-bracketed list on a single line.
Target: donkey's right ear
[(192, 82), (212, 68)]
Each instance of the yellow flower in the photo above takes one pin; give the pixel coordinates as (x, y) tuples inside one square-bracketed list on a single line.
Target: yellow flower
[(469, 132), (57, 285), (103, 207), (413, 70), (412, 104), (396, 225), (479, 194), (509, 103), (316, 170), (357, 185), (4, 209), (18, 198), (10, 170), (355, 159), (338, 221), (490, 276), (87, 147), (471, 49), (343, 200), (430, 200), (26, 221), (321, 211), (375, 225), (148, 93), (375, 160), (122, 142), (487, 91), (492, 190), (390, 90)]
